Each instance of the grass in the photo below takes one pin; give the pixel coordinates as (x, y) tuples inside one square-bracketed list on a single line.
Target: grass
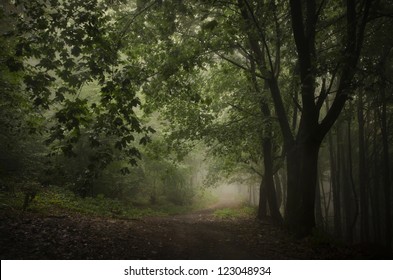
[(57, 201), (228, 213)]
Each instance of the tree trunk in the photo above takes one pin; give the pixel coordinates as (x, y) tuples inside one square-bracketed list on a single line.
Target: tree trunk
[(364, 227), (250, 195), (345, 181), (326, 203), (269, 180), (386, 169), (284, 187), (262, 206), (277, 182), (334, 185), (377, 200), (268, 162), (318, 206), (302, 178), (352, 183)]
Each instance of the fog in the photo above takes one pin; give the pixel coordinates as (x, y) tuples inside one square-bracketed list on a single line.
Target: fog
[(231, 194)]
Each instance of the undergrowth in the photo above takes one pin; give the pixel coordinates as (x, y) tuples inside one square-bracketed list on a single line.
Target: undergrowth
[(56, 201), (227, 213)]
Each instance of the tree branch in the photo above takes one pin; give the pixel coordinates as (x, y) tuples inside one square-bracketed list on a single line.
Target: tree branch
[(238, 65), (305, 45), (355, 36), (270, 78)]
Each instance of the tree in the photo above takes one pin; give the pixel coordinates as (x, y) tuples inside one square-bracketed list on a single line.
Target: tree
[(69, 60), (298, 61), (21, 160), (310, 22), (238, 31)]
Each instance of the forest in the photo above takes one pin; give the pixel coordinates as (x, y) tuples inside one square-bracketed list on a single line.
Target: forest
[(196, 129)]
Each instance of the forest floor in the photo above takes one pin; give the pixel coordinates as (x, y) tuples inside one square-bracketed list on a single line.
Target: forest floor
[(198, 235)]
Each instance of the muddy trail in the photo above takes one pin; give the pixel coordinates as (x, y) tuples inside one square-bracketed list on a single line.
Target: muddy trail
[(199, 235)]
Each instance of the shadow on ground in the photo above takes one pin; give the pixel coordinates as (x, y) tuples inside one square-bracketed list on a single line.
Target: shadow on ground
[(199, 235)]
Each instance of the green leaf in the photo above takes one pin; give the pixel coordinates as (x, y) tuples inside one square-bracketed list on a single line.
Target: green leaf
[(14, 65)]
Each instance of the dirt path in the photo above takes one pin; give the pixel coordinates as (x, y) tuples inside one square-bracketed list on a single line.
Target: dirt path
[(199, 235)]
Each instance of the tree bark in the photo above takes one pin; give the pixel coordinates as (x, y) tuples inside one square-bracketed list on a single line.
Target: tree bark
[(351, 180), (262, 206), (386, 168), (318, 204), (377, 200), (364, 227), (334, 183), (277, 182), (302, 179), (269, 181)]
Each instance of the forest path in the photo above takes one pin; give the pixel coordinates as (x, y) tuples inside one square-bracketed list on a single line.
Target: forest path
[(199, 235)]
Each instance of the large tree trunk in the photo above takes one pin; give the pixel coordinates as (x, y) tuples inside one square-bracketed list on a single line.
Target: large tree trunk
[(302, 179)]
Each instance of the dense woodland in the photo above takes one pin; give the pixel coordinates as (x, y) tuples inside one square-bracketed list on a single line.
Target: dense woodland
[(134, 108)]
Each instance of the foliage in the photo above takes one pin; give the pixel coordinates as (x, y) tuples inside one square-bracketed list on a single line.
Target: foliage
[(230, 213), (83, 83), (56, 46), (59, 201), (19, 120), (164, 177)]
